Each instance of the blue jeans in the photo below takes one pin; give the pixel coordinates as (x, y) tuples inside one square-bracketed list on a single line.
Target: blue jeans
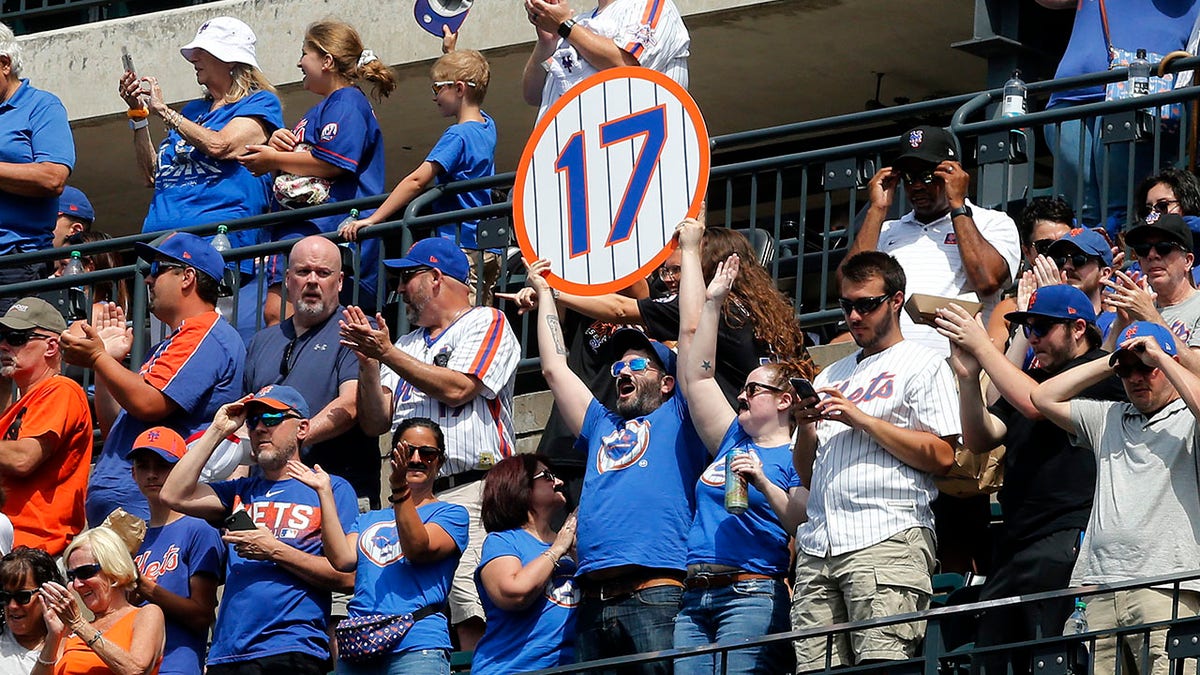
[(424, 661), (746, 609), (629, 624)]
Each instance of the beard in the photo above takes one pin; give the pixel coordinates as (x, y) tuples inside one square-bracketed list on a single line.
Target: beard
[(313, 310), (645, 400)]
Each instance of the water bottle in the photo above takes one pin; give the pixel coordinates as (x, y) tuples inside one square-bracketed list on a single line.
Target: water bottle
[(74, 265), (1077, 623), (1139, 75), (1013, 104), (220, 242), (349, 219)]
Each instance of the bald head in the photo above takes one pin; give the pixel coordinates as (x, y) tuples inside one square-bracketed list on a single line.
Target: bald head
[(314, 279)]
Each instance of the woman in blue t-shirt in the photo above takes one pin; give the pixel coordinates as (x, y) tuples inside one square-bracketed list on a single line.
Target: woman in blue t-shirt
[(404, 556), (736, 562), (335, 152), (525, 577), (195, 173)]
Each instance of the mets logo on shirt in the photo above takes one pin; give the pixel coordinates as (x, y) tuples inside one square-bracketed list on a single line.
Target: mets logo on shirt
[(380, 543), (714, 475), (562, 591), (329, 131), (623, 447)]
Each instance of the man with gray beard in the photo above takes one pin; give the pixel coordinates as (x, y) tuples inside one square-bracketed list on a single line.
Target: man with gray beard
[(303, 352)]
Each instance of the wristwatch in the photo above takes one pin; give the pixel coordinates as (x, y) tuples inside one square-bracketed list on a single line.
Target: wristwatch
[(963, 210), (564, 28)]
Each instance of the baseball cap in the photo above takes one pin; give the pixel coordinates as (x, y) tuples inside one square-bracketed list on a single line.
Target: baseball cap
[(927, 144), (226, 38), (440, 254), (1161, 334), (187, 249), (279, 397), (1087, 240), (1060, 301), (32, 312), (632, 338), (72, 202), (1170, 225), (162, 441), (433, 14)]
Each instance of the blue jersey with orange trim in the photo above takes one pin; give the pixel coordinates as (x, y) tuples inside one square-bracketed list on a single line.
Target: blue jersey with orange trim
[(267, 610), (199, 368), (481, 344)]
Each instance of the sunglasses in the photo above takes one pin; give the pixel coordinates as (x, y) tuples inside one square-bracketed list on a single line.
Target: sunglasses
[(83, 572), (752, 389), (438, 86), (20, 338), (1040, 328), (912, 178), (21, 597), (410, 274), (545, 474), (1077, 260), (159, 266), (1042, 246), (636, 365), (285, 363), (863, 306), (665, 272), (1162, 248), (1162, 206), (268, 419), (427, 453), (1126, 369)]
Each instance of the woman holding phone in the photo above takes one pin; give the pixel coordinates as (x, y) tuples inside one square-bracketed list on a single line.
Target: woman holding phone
[(736, 561)]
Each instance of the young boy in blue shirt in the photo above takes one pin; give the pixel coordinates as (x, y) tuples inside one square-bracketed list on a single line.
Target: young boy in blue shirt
[(467, 149)]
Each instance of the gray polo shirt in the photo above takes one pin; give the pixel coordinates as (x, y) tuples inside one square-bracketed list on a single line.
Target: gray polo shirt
[(1145, 518)]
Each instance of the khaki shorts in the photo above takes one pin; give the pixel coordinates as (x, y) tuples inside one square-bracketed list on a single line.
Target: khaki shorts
[(885, 579), (464, 596), (491, 274), (1121, 609)]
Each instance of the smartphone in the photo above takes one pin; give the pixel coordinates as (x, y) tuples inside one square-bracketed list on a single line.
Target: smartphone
[(127, 60), (804, 388), (239, 522)]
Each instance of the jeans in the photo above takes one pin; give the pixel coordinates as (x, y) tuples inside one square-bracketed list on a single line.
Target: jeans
[(746, 609), (423, 661), (629, 624), (289, 663)]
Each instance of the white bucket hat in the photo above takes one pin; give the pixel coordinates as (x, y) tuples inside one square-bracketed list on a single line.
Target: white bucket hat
[(226, 38)]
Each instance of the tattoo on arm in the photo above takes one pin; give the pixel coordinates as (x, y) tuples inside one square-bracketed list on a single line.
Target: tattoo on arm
[(706, 365), (560, 347)]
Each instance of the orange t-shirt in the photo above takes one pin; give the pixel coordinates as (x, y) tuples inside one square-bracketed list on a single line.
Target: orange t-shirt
[(78, 659), (46, 507)]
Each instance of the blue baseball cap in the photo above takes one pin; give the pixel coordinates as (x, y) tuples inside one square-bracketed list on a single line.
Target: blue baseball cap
[(632, 338), (72, 202), (437, 253), (1161, 334), (1060, 301), (279, 397), (1087, 240), (187, 249)]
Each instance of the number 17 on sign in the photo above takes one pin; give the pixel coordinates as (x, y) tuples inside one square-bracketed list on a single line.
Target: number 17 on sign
[(608, 172)]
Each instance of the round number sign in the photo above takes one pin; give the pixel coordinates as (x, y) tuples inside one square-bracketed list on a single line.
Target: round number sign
[(609, 171)]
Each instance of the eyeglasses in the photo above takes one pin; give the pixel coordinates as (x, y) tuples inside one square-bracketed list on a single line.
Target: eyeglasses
[(1126, 369), (442, 84), (1162, 206), (752, 389), (159, 266), (636, 365), (863, 306), (912, 178), (21, 597), (269, 419), (665, 273), (1077, 260), (411, 273), (545, 474), (285, 363), (20, 338), (1162, 248), (1040, 328), (83, 572), (1042, 246)]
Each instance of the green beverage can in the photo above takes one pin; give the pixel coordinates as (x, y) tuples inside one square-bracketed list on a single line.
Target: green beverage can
[(737, 499)]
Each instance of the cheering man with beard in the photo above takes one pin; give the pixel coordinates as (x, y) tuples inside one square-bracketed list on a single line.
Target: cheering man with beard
[(632, 560)]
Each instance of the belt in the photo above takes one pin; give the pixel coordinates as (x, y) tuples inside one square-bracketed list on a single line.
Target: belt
[(704, 581), (461, 478), (616, 588)]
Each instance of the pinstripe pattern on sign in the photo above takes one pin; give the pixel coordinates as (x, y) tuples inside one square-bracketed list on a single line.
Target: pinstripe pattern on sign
[(606, 175)]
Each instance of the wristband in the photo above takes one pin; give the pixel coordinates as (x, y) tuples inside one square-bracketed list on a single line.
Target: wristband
[(401, 499), (140, 123), (137, 113), (95, 638)]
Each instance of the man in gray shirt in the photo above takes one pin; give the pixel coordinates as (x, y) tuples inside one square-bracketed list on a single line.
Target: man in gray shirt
[(1145, 518)]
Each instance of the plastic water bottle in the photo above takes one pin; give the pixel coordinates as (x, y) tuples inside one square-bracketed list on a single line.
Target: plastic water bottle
[(1139, 75), (1077, 623), (349, 219), (220, 242), (74, 265), (1013, 104)]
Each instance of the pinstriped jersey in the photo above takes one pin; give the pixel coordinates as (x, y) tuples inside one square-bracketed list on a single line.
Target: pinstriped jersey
[(480, 343), (650, 30), (861, 493)]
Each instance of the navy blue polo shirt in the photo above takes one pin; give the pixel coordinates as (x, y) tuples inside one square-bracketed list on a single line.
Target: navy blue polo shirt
[(33, 128)]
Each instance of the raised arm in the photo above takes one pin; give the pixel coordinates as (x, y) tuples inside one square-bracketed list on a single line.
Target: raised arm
[(571, 395), (1053, 397), (337, 545), (182, 490), (421, 542), (372, 401), (880, 191), (228, 143), (987, 269), (599, 51)]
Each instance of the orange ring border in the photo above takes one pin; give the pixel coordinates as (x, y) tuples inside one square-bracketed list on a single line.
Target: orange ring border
[(693, 110)]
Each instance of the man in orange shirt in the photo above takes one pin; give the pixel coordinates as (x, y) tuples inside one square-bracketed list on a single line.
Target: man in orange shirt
[(45, 435)]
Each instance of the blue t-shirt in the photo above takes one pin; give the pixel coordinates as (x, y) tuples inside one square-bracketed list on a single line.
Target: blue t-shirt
[(465, 150), (33, 128), (386, 582), (639, 491), (171, 555), (267, 610), (199, 367), (539, 636), (1161, 26), (191, 188), (343, 131), (754, 541)]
